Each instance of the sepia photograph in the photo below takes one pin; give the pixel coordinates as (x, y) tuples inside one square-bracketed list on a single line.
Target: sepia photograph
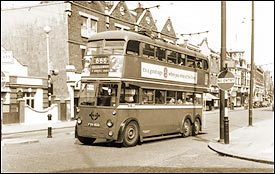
[(137, 87)]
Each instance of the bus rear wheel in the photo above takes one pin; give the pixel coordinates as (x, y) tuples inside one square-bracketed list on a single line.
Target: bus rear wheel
[(130, 134), (186, 128), (196, 127)]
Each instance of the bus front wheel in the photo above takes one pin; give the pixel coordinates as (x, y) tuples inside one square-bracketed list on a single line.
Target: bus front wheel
[(130, 134), (186, 128)]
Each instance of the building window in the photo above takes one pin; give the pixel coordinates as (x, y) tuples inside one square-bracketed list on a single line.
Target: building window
[(88, 24), (84, 28), (83, 49), (93, 26), (29, 98), (121, 27)]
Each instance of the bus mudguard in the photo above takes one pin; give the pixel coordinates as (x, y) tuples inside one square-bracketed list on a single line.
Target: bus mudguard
[(122, 127)]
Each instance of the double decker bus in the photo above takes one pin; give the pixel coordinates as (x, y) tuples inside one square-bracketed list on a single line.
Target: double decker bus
[(137, 88)]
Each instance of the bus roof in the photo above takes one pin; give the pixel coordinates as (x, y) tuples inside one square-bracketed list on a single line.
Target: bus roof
[(130, 35)]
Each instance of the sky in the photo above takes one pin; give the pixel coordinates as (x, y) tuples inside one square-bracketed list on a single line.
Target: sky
[(200, 16)]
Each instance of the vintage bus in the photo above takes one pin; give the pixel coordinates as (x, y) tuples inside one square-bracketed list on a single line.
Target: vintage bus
[(136, 88)]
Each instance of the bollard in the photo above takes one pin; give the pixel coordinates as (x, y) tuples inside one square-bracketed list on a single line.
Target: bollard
[(49, 126), (226, 130)]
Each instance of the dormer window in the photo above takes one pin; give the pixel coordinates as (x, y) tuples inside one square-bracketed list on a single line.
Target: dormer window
[(148, 20), (122, 11), (168, 27)]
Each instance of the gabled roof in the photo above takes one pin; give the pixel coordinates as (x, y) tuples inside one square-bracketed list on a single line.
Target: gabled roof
[(165, 29), (113, 7), (206, 41), (141, 16)]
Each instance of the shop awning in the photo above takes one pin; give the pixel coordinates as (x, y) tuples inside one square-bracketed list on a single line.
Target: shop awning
[(209, 97)]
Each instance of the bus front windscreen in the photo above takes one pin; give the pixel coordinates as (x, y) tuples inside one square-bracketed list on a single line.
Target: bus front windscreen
[(107, 94), (87, 94), (103, 94)]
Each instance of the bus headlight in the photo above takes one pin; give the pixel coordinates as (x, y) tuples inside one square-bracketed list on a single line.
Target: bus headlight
[(109, 123), (79, 121), (110, 133)]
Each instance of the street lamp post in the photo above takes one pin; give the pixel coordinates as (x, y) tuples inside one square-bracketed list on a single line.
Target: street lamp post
[(47, 30), (251, 93)]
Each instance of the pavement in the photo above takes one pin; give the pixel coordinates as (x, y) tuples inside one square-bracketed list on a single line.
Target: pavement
[(254, 143), (8, 130)]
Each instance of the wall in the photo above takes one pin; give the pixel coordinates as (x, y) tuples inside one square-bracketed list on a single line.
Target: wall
[(8, 64), (33, 116), (75, 39), (22, 32)]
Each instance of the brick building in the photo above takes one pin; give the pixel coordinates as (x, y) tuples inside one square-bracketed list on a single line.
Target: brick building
[(71, 23), (214, 63)]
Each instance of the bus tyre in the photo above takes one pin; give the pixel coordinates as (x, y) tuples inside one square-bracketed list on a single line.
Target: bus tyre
[(130, 134), (196, 127), (86, 141), (186, 129)]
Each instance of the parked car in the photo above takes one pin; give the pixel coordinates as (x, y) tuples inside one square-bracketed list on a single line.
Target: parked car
[(265, 104), (256, 104)]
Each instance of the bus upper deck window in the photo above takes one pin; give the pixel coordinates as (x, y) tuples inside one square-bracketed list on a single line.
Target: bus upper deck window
[(199, 64), (132, 47), (190, 62), (181, 59), (149, 51), (160, 54), (171, 56)]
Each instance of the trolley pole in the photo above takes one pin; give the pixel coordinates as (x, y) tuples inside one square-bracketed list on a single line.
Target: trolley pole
[(223, 55)]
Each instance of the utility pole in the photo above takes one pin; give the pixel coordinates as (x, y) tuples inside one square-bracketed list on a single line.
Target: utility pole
[(251, 93), (223, 56)]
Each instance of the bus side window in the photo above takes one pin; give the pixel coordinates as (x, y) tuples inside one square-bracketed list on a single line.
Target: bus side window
[(189, 98), (132, 47), (181, 59), (199, 64), (129, 95), (147, 96), (159, 97), (180, 97), (190, 61), (198, 99), (149, 51), (171, 97), (161, 54), (171, 56)]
